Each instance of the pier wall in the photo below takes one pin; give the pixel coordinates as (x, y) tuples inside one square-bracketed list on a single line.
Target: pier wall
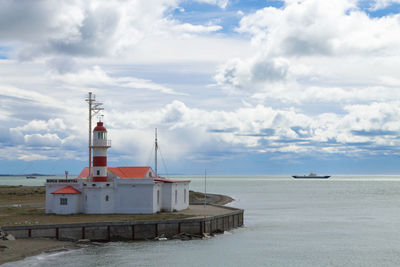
[(134, 230)]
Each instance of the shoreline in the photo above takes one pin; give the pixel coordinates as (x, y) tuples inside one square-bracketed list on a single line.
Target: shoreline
[(22, 248), (19, 249), (215, 199)]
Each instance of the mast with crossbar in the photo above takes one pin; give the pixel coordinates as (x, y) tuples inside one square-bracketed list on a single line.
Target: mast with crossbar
[(94, 109)]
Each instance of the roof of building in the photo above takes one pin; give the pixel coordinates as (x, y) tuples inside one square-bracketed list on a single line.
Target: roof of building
[(84, 173), (100, 127), (130, 173), (122, 172), (160, 179), (67, 190)]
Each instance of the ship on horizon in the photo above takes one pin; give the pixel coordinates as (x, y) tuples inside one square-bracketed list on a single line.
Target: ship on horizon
[(311, 176)]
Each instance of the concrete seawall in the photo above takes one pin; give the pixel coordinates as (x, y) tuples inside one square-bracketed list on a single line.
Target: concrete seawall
[(133, 230)]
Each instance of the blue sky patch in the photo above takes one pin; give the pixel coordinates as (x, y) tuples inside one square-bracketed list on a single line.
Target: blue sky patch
[(4, 51), (202, 13), (366, 6)]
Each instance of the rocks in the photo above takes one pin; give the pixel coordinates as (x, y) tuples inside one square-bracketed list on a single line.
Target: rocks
[(5, 236), (161, 238), (186, 236), (2, 248), (206, 236), (84, 241), (218, 231), (2, 235), (10, 237)]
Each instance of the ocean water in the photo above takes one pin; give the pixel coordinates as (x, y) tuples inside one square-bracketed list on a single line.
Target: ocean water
[(341, 221)]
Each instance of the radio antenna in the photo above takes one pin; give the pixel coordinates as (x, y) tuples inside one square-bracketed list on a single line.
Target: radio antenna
[(94, 109)]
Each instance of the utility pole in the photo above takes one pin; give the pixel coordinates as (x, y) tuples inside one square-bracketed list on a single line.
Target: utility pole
[(205, 188), (94, 109), (155, 153)]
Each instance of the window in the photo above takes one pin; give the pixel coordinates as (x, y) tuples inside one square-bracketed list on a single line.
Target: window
[(63, 201), (101, 135), (98, 172), (184, 197), (176, 196), (158, 197), (107, 198)]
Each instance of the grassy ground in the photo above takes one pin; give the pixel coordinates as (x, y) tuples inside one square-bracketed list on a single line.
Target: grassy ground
[(195, 196), (22, 194), (32, 215), (25, 205)]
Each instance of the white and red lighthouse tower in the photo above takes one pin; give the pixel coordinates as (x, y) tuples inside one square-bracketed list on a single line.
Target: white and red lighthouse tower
[(100, 146)]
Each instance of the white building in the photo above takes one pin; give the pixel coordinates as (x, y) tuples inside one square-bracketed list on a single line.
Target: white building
[(107, 190)]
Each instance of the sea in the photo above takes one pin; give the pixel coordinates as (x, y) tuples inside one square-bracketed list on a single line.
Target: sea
[(342, 221)]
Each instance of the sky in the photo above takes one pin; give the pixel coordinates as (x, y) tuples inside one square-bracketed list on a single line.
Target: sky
[(233, 87)]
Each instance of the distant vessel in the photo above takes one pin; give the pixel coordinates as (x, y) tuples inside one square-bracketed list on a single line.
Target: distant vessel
[(311, 176), (30, 177)]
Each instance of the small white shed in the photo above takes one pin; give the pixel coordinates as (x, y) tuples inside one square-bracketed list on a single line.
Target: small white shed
[(66, 200)]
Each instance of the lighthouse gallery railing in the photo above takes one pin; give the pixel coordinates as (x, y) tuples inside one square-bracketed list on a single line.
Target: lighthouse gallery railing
[(104, 143)]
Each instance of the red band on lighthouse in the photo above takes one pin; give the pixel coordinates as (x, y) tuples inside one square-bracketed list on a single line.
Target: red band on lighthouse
[(99, 161), (99, 178)]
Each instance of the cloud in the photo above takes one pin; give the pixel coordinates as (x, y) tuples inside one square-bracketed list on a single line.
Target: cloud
[(33, 157), (190, 28), (41, 125), (35, 21), (309, 52), (63, 65), (89, 28), (220, 3), (97, 77), (263, 129), (193, 132), (315, 27), (310, 77), (373, 132), (46, 140), (249, 74), (78, 28)]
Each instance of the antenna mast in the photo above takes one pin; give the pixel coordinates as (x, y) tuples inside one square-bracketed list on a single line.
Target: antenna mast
[(155, 154), (205, 187), (94, 109)]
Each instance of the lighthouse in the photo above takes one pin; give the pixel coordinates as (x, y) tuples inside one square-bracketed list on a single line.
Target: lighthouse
[(100, 189), (100, 146)]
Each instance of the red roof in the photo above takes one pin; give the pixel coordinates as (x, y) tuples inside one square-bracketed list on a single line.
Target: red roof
[(100, 127), (122, 172), (130, 172), (84, 173), (67, 190), (159, 179)]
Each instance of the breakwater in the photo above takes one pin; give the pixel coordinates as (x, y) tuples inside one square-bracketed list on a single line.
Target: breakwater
[(132, 230)]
